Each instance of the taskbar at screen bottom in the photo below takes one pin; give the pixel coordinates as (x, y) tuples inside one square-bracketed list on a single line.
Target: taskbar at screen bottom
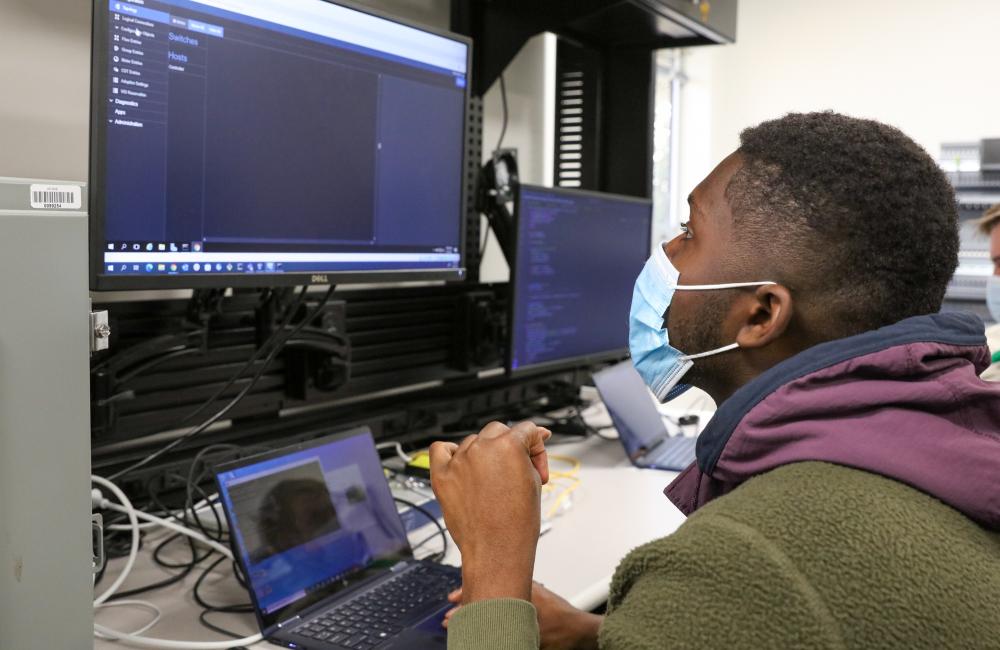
[(258, 268)]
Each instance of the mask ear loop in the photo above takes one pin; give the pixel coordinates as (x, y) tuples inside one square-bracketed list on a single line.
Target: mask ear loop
[(725, 348), (730, 285), (710, 287)]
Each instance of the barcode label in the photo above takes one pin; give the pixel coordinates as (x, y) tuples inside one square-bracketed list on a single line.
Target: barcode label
[(56, 197)]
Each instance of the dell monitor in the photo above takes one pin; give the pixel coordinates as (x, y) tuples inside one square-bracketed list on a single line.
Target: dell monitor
[(576, 259), (267, 142)]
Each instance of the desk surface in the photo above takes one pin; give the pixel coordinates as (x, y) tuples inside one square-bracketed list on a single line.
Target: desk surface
[(615, 508)]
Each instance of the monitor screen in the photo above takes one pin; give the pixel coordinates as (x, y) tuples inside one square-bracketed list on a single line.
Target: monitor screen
[(308, 522), (576, 261), (300, 140)]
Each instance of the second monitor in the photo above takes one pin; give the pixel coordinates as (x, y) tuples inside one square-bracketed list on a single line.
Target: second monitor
[(576, 259)]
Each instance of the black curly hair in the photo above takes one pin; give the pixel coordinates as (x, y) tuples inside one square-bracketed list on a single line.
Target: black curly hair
[(856, 218)]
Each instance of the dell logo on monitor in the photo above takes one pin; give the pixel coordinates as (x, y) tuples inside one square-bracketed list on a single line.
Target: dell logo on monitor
[(320, 279)]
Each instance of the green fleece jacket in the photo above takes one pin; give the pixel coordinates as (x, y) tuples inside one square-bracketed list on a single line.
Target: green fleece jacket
[(808, 555)]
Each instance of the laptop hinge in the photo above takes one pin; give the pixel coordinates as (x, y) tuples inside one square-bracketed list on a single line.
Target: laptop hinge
[(648, 450)]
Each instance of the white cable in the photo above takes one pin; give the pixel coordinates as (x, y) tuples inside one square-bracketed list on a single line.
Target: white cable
[(399, 449), (126, 507), (184, 530), (157, 614), (133, 516), (201, 506), (151, 642)]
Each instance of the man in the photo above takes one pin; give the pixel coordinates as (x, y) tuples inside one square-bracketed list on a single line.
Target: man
[(989, 225), (847, 492)]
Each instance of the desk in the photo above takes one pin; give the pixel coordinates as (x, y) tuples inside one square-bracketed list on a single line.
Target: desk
[(616, 508)]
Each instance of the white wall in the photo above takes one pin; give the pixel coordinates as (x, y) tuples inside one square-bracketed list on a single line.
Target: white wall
[(925, 66), (530, 81)]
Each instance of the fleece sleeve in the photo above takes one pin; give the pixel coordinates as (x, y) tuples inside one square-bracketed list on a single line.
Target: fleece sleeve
[(715, 583), (499, 624)]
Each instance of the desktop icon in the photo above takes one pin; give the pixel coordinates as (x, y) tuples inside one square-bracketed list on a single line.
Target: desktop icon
[(136, 247), (229, 267), (196, 246), (124, 247), (173, 268), (197, 266), (270, 266), (149, 268), (185, 267), (218, 267), (161, 247), (161, 267), (111, 268), (185, 247), (149, 247), (239, 266), (111, 247), (208, 268), (124, 268), (173, 248), (135, 267)]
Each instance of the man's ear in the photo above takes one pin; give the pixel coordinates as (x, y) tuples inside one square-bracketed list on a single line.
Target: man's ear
[(766, 316)]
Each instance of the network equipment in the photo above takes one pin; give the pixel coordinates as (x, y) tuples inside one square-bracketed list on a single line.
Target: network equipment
[(264, 142), (576, 259)]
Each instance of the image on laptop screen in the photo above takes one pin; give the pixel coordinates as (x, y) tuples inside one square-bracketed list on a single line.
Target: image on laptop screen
[(306, 519)]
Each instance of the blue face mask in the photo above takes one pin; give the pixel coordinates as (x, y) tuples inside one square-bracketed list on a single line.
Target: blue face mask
[(660, 365), (993, 296)]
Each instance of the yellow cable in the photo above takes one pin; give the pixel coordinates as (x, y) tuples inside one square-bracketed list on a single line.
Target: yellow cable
[(555, 479)]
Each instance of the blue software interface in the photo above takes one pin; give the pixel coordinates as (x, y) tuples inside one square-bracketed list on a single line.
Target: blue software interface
[(577, 258), (278, 135), (307, 519)]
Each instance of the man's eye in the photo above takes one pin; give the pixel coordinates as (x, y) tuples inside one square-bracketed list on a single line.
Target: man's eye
[(686, 230)]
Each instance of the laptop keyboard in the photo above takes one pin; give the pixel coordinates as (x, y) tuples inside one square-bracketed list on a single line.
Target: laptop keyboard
[(676, 452), (378, 614)]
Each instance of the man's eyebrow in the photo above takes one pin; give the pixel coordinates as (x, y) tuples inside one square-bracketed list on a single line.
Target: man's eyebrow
[(693, 206)]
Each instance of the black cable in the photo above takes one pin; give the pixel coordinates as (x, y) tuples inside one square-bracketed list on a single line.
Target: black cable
[(155, 361), (503, 103), (233, 402), (195, 558), (177, 577), (421, 543), (437, 557), (202, 618), (292, 309), (141, 351), (220, 531), (239, 608), (193, 480)]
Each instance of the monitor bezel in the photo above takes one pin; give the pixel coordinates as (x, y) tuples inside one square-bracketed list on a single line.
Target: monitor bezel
[(101, 281), (269, 622), (580, 361)]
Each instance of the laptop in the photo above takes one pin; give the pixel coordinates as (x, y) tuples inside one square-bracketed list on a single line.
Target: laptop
[(641, 429), (325, 553)]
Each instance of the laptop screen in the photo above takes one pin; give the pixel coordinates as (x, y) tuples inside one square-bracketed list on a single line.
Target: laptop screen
[(311, 520), (631, 406)]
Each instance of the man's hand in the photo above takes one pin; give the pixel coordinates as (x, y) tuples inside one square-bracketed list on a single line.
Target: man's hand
[(560, 625), (489, 488)]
